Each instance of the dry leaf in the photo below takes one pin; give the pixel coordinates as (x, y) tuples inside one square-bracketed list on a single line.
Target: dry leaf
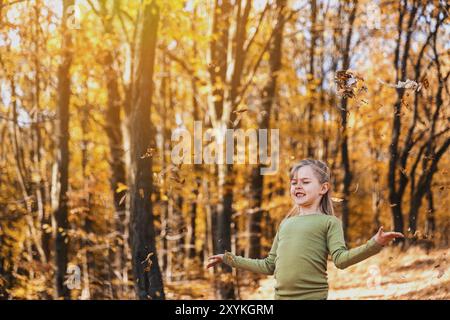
[(122, 199), (408, 85), (148, 261), (240, 111), (148, 153), (347, 83)]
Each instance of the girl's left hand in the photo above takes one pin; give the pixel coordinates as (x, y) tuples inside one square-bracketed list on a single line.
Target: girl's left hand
[(384, 238)]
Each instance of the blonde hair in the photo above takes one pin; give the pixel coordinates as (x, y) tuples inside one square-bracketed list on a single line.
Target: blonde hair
[(323, 174)]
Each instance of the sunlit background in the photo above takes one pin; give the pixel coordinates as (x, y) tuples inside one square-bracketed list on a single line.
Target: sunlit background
[(91, 92)]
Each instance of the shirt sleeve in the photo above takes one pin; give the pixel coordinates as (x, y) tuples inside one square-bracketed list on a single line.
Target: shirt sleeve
[(264, 266), (343, 257)]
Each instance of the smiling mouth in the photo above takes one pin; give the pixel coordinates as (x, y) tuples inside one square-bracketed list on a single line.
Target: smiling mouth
[(299, 194)]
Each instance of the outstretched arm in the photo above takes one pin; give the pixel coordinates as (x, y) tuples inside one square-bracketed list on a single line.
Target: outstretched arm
[(264, 266), (343, 257)]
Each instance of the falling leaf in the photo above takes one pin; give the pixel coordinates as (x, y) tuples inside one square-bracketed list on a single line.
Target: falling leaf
[(122, 199), (236, 121), (148, 261), (121, 187), (141, 192), (240, 111), (356, 189), (392, 205), (337, 199), (148, 153), (418, 235), (408, 85), (347, 83)]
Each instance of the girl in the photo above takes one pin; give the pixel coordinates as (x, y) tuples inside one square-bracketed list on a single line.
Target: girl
[(310, 231)]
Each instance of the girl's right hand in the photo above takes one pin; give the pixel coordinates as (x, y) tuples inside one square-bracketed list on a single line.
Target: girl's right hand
[(218, 258)]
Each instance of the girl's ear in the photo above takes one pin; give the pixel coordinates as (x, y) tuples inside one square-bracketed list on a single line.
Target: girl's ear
[(325, 187)]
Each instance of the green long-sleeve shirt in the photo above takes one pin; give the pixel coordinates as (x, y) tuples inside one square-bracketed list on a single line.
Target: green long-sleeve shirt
[(298, 258)]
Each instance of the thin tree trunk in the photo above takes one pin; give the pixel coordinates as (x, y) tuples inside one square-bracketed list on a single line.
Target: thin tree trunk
[(345, 160), (430, 223), (311, 79)]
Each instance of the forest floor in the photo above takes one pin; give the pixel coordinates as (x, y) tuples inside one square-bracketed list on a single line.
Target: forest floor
[(392, 274)]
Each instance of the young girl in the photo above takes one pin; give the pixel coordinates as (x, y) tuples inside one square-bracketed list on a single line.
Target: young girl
[(310, 231)]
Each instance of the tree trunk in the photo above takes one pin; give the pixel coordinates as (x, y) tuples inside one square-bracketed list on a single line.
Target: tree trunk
[(61, 241), (430, 223), (400, 64), (117, 164), (311, 79), (268, 97), (146, 272), (345, 160)]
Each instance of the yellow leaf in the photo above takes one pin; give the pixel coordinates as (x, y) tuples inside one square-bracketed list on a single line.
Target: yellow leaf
[(121, 187)]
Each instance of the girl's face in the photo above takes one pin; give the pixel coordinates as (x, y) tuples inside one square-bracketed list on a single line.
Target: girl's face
[(306, 190)]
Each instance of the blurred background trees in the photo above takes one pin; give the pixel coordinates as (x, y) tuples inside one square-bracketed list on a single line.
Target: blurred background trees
[(91, 204)]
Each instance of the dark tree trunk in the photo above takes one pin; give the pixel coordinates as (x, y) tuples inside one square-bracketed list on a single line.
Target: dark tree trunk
[(345, 161), (61, 241), (222, 229), (117, 163), (146, 272), (400, 64), (430, 223), (192, 254)]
